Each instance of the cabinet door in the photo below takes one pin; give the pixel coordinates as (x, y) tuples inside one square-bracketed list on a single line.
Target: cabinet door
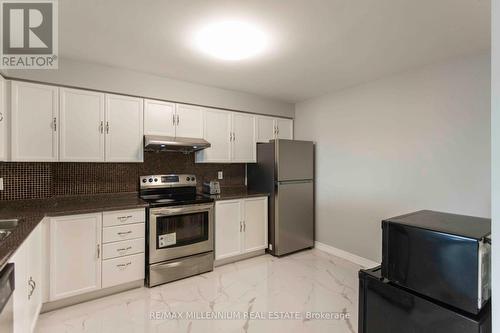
[(264, 129), (81, 126), (75, 263), (3, 120), (159, 118), (34, 120), (34, 276), (124, 129), (228, 228), (244, 145), (20, 298), (189, 121), (255, 224), (284, 128), (216, 130)]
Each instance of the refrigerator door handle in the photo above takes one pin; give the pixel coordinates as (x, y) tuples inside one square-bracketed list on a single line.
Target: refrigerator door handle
[(300, 181)]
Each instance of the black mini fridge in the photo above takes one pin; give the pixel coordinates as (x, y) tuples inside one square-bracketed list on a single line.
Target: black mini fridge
[(385, 307)]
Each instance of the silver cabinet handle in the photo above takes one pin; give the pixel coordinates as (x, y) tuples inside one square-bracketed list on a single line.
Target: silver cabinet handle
[(54, 122), (1, 116), (98, 251), (244, 226), (32, 284), (234, 136), (173, 119), (124, 249), (101, 127), (124, 265), (241, 226), (107, 127), (124, 232), (230, 136), (177, 120), (124, 217)]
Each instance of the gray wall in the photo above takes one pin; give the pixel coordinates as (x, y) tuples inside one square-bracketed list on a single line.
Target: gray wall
[(417, 140), (118, 80)]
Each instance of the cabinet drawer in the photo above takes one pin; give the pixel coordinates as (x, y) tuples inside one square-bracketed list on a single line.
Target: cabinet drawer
[(122, 270), (123, 217), (123, 232), (124, 248)]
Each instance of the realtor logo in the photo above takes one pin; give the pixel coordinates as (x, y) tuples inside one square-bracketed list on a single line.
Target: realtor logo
[(29, 34)]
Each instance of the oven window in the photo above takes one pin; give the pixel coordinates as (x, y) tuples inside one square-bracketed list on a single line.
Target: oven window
[(180, 230)]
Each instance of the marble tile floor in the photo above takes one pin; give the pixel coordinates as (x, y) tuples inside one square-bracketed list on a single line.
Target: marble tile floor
[(262, 294)]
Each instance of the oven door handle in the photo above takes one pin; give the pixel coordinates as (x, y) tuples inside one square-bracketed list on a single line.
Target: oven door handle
[(181, 210)]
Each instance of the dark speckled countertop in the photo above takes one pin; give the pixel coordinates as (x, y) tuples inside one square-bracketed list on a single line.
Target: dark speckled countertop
[(228, 193), (31, 212)]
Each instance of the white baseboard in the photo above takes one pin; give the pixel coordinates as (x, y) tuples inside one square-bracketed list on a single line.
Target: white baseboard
[(363, 262)]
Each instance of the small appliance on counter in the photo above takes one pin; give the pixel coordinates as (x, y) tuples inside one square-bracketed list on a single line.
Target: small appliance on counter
[(212, 187), (180, 228), (435, 276)]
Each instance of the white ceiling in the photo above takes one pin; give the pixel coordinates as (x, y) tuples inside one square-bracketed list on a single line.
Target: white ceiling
[(317, 45)]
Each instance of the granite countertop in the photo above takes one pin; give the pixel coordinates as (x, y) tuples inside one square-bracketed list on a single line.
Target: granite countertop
[(31, 212), (228, 193)]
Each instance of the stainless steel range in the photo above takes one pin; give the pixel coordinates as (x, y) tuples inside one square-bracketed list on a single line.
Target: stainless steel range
[(180, 228)]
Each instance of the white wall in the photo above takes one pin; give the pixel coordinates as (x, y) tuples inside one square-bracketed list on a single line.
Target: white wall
[(495, 156), (417, 140), (118, 80)]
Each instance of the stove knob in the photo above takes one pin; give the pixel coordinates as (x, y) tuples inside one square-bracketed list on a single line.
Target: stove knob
[(156, 179), (144, 180), (150, 180), (193, 179), (188, 179)]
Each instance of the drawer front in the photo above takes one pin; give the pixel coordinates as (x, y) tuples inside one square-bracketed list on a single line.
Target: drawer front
[(123, 232), (124, 248), (122, 270), (122, 217)]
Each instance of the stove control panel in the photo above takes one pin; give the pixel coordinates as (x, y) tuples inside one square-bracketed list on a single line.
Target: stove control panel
[(172, 180)]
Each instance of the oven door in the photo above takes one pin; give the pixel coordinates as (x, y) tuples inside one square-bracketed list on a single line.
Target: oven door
[(180, 231)]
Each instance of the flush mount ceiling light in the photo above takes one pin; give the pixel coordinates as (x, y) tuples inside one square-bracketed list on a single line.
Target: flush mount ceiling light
[(231, 40)]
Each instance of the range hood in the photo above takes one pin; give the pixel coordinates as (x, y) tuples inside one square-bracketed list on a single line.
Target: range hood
[(170, 143)]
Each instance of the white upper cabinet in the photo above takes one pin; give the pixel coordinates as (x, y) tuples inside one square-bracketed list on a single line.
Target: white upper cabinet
[(265, 129), (189, 121), (159, 118), (170, 119), (3, 120), (244, 146), (231, 136), (217, 131), (75, 255), (34, 122), (81, 126), (124, 129), (284, 128), (268, 128)]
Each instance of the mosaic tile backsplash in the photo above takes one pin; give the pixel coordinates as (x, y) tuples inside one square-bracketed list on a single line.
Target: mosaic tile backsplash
[(44, 180)]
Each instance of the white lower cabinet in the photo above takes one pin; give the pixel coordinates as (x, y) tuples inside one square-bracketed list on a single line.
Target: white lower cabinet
[(93, 251), (75, 262), (28, 280), (240, 226)]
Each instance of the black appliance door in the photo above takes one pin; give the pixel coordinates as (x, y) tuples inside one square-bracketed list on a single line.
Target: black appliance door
[(441, 266), (386, 308)]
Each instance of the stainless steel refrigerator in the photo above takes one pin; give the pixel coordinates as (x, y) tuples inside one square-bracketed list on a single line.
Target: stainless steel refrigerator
[(285, 170)]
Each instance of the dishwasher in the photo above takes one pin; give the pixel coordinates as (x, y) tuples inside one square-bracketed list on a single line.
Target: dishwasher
[(6, 302)]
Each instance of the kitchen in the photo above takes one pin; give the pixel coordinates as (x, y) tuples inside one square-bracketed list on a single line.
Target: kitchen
[(216, 186)]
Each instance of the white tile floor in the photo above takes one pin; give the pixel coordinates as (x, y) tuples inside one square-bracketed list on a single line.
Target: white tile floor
[(265, 287)]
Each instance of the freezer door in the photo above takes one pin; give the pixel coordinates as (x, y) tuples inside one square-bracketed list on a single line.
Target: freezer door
[(294, 159), (294, 216)]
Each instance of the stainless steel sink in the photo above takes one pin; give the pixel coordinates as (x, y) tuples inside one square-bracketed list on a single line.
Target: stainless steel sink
[(6, 227)]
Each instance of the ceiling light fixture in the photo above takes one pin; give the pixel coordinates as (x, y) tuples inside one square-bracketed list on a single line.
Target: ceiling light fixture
[(231, 40)]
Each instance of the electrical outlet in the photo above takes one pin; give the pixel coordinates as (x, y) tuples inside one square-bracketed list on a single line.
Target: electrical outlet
[(220, 175), (1, 184)]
